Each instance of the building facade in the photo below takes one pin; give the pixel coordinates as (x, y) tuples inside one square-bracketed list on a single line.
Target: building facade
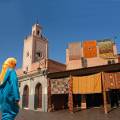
[(33, 81), (41, 92), (84, 88), (91, 53)]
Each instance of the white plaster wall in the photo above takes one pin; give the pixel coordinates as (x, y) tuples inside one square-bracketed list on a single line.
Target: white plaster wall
[(32, 82)]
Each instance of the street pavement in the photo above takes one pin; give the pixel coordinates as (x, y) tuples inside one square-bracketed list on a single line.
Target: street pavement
[(89, 114)]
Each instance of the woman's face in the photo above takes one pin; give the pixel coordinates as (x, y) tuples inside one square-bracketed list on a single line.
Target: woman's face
[(15, 65), (12, 64)]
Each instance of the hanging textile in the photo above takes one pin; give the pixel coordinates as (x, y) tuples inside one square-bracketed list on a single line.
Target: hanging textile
[(118, 80), (90, 49), (70, 95), (111, 80), (75, 85), (74, 51), (87, 84), (106, 49), (59, 86)]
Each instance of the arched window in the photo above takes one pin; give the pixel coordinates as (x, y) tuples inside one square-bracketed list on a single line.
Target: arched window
[(113, 61), (38, 32), (25, 99), (38, 96), (27, 54), (109, 62)]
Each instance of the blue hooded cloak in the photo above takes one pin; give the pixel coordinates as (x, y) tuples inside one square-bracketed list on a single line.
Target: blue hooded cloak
[(9, 95)]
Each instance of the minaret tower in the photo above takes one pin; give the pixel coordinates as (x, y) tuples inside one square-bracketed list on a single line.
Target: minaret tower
[(35, 47)]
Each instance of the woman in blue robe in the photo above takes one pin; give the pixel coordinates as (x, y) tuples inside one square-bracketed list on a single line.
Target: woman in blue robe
[(9, 90)]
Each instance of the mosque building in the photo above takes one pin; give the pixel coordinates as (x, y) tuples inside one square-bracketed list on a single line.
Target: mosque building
[(32, 76)]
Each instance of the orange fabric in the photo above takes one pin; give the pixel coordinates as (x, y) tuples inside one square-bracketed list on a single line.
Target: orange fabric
[(75, 85), (111, 80), (90, 49), (87, 84), (118, 80), (119, 59)]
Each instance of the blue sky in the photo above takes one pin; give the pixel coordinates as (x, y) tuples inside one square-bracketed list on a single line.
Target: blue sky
[(63, 21)]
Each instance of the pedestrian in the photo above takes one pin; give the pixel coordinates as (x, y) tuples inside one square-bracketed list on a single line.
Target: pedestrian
[(9, 90)]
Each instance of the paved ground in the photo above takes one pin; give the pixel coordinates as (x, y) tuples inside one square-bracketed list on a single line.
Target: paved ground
[(90, 114)]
